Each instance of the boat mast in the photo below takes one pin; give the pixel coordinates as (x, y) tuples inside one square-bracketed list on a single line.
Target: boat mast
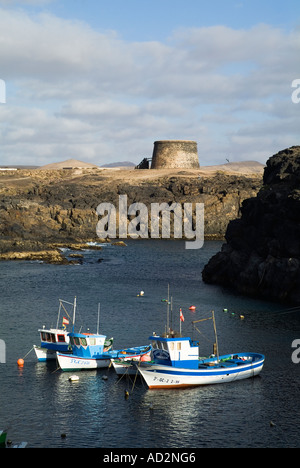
[(168, 303), (74, 312), (171, 316), (216, 336), (98, 318), (180, 325), (58, 314)]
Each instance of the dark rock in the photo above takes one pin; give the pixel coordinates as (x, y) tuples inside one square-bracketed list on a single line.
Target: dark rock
[(262, 253)]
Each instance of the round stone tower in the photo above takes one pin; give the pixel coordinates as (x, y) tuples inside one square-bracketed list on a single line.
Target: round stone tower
[(174, 154)]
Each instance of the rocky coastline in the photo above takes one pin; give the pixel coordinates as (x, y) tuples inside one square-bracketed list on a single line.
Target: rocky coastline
[(42, 212), (261, 256)]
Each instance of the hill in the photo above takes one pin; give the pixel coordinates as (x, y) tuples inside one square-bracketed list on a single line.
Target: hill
[(68, 164)]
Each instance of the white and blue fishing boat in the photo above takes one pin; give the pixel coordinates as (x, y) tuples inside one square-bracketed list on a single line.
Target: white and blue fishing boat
[(55, 339), (93, 351), (176, 364)]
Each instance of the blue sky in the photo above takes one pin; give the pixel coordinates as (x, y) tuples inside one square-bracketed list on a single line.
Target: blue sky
[(101, 81), (147, 20)]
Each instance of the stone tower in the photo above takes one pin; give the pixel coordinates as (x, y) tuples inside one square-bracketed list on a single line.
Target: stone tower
[(174, 154)]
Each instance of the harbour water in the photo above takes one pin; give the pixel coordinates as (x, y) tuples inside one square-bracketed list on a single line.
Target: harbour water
[(38, 403)]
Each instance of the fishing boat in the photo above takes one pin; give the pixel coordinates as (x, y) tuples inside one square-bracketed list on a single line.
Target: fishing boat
[(127, 366), (176, 363), (55, 339), (93, 351), (4, 443)]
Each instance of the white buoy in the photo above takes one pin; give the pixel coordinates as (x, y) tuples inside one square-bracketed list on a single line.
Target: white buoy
[(73, 378)]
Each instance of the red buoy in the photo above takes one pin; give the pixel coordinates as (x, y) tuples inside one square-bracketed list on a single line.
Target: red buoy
[(145, 358)]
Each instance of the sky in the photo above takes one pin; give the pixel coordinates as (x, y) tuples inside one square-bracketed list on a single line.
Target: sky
[(101, 81)]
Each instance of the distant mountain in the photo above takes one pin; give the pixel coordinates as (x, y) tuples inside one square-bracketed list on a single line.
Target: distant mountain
[(119, 164), (68, 164)]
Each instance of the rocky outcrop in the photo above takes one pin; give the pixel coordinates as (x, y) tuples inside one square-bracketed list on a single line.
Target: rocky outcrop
[(33, 250), (47, 256), (261, 256), (42, 208)]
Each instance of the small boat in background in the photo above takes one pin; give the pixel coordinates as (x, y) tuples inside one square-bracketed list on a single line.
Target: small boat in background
[(127, 365)]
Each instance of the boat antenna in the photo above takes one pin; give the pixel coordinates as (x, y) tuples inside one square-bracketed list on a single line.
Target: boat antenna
[(98, 318)]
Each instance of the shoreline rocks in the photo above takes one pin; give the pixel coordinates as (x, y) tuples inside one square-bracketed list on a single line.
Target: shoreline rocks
[(43, 211), (46, 256), (46, 253)]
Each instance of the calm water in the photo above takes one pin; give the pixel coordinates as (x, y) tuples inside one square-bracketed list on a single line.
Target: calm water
[(38, 403)]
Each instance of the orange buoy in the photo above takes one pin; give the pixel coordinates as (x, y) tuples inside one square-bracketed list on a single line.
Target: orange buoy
[(192, 308), (145, 358), (20, 362)]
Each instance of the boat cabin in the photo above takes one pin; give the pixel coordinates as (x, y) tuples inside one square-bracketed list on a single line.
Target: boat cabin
[(89, 345), (55, 339), (176, 352)]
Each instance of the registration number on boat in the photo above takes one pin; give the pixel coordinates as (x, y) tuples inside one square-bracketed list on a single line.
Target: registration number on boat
[(166, 381)]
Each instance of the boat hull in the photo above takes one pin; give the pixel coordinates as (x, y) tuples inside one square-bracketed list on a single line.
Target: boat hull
[(123, 367), (71, 362), (160, 376), (127, 365), (44, 354)]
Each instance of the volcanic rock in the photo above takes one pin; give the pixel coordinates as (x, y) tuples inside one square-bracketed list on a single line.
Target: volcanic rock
[(261, 256)]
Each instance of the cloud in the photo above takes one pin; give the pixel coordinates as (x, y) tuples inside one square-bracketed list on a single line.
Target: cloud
[(76, 91)]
